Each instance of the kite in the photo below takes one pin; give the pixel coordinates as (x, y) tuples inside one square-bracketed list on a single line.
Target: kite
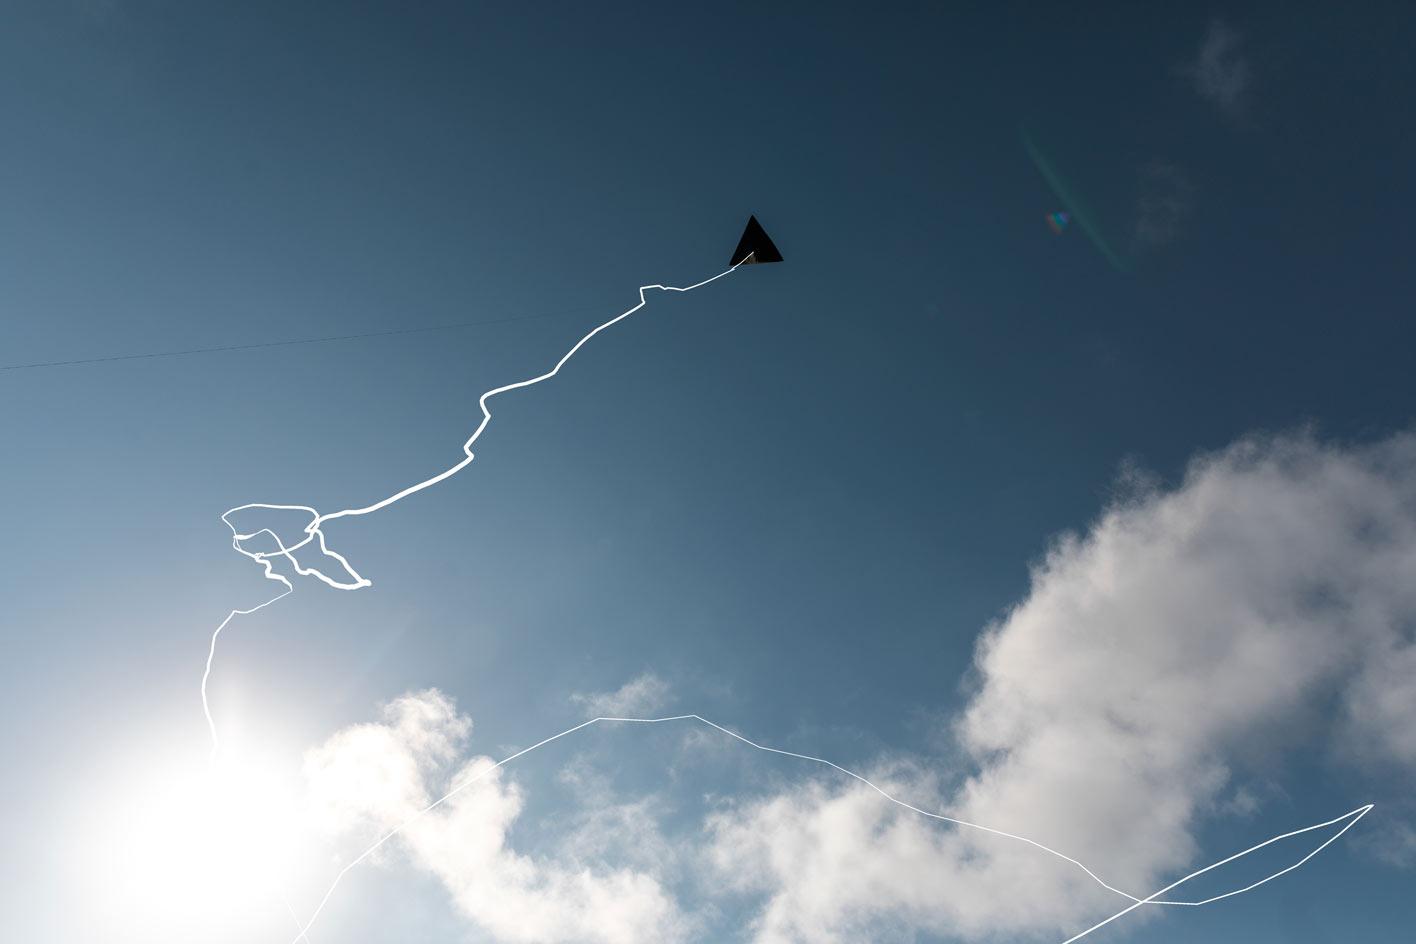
[(755, 246), (1058, 221)]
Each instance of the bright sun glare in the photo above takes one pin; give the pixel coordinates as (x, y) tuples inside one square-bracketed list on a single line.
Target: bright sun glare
[(192, 846)]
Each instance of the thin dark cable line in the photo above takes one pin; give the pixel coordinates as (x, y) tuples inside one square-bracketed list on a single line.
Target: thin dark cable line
[(337, 337)]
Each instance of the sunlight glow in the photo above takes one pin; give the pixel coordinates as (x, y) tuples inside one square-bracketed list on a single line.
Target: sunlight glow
[(190, 844)]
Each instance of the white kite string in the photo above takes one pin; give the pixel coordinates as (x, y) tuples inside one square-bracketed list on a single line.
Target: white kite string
[(313, 532), (1153, 899)]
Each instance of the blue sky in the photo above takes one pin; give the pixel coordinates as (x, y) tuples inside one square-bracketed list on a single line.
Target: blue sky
[(790, 501)]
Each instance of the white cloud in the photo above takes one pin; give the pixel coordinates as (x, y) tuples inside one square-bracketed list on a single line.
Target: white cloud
[(841, 864), (604, 828), (1395, 845), (642, 695), (1220, 73), (1114, 702), (369, 778), (1115, 711), (1382, 702)]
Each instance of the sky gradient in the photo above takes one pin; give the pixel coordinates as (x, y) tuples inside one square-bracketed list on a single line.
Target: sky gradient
[(790, 501)]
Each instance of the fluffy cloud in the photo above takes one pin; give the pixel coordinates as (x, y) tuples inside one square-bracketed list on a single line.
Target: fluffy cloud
[(369, 778), (1183, 629), (1111, 715), (1220, 73), (841, 864), (642, 695)]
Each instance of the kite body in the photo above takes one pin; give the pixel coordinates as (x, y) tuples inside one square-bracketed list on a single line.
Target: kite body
[(755, 246)]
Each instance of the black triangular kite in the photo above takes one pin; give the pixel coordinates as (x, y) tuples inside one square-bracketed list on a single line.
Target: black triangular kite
[(755, 246)]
